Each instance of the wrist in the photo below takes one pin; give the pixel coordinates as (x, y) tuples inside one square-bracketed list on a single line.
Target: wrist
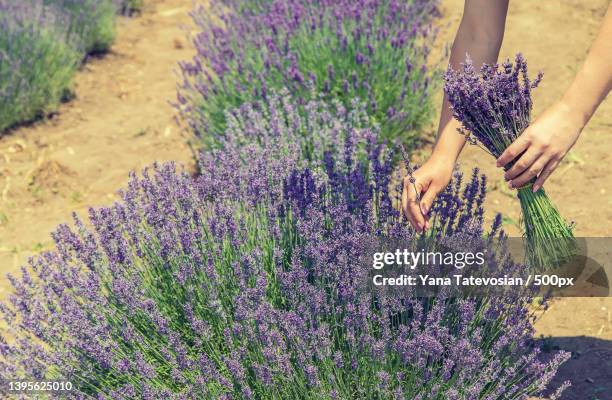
[(443, 160), (574, 112)]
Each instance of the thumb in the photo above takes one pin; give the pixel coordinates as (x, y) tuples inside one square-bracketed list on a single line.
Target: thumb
[(428, 198)]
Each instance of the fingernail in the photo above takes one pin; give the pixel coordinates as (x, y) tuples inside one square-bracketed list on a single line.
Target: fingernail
[(510, 185), (498, 164), (425, 208), (535, 188)]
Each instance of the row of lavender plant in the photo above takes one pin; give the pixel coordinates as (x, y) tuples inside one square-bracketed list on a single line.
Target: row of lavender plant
[(37, 60), (92, 21), (242, 282), (42, 43), (374, 50)]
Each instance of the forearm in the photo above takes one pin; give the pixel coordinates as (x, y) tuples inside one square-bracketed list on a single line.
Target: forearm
[(593, 81), (480, 35)]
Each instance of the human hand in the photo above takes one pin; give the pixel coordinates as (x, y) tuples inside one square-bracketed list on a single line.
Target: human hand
[(419, 192), (540, 149)]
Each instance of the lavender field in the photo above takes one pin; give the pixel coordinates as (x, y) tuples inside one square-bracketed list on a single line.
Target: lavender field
[(227, 269)]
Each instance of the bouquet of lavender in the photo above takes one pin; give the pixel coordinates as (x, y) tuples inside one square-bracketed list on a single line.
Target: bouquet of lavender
[(373, 50), (494, 106)]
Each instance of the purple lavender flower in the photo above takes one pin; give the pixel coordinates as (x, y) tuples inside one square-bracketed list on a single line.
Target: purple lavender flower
[(494, 104)]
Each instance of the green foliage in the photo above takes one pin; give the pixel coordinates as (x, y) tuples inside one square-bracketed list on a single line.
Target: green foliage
[(42, 43), (36, 69), (93, 21)]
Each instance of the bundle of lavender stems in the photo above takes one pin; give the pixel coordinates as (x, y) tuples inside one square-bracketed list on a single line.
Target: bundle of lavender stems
[(494, 106)]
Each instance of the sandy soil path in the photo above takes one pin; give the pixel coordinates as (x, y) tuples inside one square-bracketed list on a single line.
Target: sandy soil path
[(120, 120)]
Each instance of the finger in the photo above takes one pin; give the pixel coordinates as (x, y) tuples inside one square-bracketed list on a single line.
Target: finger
[(428, 198), (529, 173), (412, 207), (523, 163), (514, 150), (548, 169), (408, 195), (405, 202), (416, 219), (414, 210)]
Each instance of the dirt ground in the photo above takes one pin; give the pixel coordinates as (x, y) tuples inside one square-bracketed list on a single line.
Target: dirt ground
[(121, 120)]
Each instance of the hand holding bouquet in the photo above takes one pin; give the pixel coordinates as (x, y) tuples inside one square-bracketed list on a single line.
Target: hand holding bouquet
[(494, 106)]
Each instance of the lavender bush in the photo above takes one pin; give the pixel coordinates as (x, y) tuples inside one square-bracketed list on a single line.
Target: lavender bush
[(310, 133), (242, 283), (373, 50), (37, 60), (494, 105), (42, 43), (93, 21)]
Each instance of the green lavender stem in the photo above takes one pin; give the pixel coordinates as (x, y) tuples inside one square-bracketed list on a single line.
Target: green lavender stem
[(550, 241)]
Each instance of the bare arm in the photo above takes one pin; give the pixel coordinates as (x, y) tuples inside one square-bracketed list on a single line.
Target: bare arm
[(544, 144), (480, 35), (594, 80)]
